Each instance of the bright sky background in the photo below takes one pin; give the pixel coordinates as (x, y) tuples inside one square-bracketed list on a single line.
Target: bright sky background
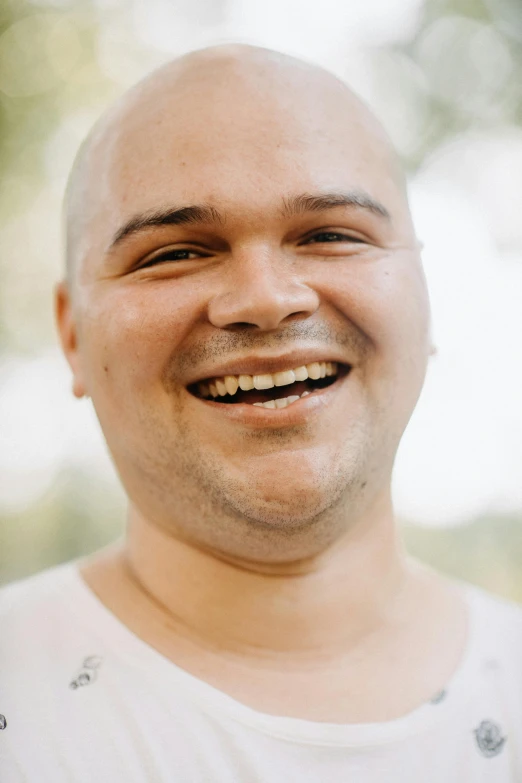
[(462, 451)]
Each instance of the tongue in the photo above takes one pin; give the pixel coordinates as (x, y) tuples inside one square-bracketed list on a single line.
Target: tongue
[(255, 395)]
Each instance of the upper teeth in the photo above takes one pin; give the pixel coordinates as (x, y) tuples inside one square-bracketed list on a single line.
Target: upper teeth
[(219, 387)]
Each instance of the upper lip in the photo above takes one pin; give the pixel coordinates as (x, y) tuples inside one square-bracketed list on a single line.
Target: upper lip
[(261, 365)]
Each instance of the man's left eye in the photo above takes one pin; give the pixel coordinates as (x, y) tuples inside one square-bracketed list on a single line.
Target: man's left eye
[(331, 236)]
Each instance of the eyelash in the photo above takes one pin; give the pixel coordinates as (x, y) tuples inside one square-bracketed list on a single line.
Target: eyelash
[(339, 237), (319, 238), (167, 256)]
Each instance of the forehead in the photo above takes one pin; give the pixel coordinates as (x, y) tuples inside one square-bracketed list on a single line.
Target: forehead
[(238, 138), (227, 138)]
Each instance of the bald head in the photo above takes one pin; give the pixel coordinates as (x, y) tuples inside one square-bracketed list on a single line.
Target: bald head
[(239, 90)]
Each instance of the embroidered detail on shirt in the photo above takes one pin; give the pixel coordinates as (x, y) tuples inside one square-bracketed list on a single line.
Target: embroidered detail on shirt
[(3, 722), (438, 697), (88, 672), (489, 738)]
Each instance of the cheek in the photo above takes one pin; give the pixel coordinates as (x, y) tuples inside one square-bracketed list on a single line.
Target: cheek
[(388, 301), (133, 332)]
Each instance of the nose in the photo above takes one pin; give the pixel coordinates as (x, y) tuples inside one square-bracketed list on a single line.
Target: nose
[(261, 288)]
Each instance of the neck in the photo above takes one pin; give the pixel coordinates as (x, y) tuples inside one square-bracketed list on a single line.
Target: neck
[(322, 606)]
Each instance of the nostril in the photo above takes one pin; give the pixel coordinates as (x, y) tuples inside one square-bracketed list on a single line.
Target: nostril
[(264, 302), (240, 325)]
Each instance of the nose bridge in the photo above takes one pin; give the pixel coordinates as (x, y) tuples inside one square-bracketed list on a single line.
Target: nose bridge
[(261, 287), (262, 267)]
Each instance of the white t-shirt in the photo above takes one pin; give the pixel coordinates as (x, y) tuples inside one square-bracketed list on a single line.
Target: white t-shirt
[(84, 700)]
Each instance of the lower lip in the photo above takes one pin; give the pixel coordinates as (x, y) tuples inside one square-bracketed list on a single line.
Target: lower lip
[(295, 413)]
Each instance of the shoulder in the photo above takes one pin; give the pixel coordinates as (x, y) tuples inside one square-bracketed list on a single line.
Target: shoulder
[(501, 612), (43, 642), (497, 628), (34, 612), (30, 593)]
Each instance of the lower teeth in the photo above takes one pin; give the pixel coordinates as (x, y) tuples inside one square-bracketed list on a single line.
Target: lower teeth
[(282, 402)]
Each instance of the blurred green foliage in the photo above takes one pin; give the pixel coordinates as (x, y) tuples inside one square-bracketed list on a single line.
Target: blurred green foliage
[(486, 552), (460, 71), (72, 519), (48, 70), (48, 67)]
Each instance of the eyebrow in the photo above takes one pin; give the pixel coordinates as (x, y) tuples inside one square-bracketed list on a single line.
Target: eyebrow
[(206, 214), (174, 216), (307, 202)]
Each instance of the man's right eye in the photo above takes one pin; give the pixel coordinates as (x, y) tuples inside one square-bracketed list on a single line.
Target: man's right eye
[(175, 254)]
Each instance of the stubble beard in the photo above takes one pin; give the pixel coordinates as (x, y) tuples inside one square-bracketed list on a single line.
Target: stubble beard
[(199, 497)]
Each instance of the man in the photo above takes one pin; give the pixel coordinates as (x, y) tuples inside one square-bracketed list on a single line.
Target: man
[(246, 307)]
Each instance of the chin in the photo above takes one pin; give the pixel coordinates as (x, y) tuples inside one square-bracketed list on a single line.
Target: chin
[(278, 532), (294, 506)]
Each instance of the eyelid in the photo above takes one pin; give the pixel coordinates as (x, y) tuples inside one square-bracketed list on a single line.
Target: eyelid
[(345, 234), (159, 254)]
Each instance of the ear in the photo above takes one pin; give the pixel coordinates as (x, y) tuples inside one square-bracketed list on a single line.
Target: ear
[(68, 333)]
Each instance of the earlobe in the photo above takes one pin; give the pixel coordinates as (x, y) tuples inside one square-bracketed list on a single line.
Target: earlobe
[(67, 332)]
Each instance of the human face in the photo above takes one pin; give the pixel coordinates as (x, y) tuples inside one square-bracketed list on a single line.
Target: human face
[(281, 239)]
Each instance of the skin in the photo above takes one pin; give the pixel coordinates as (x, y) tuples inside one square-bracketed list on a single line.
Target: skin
[(261, 546)]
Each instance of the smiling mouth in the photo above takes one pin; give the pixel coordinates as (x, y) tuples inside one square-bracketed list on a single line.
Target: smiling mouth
[(270, 390)]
